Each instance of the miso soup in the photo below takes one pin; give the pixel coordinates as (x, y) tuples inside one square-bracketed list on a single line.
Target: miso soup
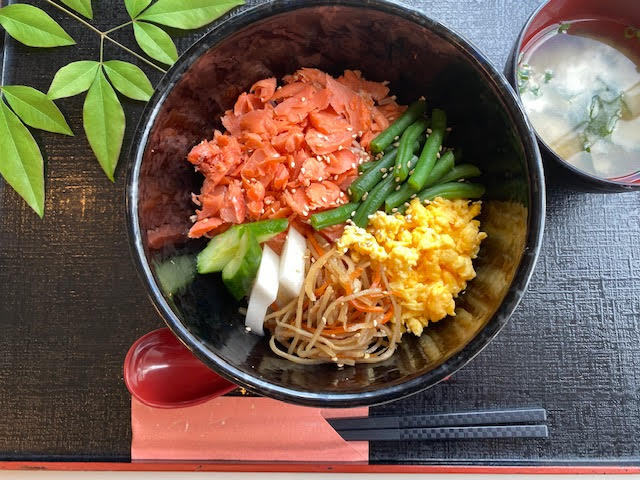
[(580, 86)]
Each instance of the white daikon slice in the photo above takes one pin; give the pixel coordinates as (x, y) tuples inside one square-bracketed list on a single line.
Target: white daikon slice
[(264, 291), (291, 277)]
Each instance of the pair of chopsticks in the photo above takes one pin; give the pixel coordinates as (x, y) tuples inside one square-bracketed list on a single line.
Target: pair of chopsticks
[(509, 423)]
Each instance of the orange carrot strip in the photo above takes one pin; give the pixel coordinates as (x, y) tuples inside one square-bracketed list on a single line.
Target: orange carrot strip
[(387, 316), (364, 307), (320, 290), (316, 246), (375, 281)]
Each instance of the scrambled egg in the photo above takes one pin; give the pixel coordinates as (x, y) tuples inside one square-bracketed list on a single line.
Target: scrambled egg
[(426, 254)]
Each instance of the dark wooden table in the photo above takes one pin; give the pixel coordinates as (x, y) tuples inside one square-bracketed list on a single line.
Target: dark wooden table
[(71, 304)]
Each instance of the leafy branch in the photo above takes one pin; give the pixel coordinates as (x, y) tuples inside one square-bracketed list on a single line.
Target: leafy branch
[(104, 122)]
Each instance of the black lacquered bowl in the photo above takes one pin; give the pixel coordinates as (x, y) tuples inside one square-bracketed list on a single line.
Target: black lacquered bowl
[(386, 42)]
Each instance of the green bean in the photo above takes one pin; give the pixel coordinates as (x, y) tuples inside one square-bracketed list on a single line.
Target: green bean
[(405, 149), (373, 176), (398, 197), (465, 170), (370, 179), (374, 199), (334, 216), (429, 152), (388, 136), (365, 167), (451, 191), (442, 167)]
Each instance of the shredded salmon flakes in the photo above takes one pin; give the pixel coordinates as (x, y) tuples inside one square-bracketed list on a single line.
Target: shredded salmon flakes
[(289, 150)]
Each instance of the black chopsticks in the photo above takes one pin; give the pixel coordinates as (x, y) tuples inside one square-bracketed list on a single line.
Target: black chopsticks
[(507, 423)]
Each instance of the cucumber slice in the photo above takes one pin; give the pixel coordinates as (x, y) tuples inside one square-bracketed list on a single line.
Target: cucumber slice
[(265, 230), (218, 251), (175, 273), (221, 248), (238, 275)]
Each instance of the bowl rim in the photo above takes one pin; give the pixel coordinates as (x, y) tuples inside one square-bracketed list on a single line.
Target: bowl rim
[(600, 183), (522, 275)]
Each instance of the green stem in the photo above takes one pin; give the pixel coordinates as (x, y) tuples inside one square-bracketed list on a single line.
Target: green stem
[(103, 36), (101, 47), (139, 57), (118, 27), (73, 15)]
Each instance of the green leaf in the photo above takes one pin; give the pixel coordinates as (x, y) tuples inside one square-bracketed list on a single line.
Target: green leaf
[(134, 7), (188, 14), (83, 7), (104, 123), (155, 42), (33, 27), (129, 80), (35, 109), (21, 163), (73, 79)]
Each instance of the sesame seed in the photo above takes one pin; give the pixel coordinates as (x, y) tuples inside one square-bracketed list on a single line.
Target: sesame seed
[(319, 179), (397, 187), (292, 165), (370, 216), (375, 323), (429, 131), (406, 204), (393, 97), (349, 129), (438, 155), (394, 209), (366, 194), (303, 170), (385, 83), (334, 359), (448, 129), (414, 195), (360, 133), (293, 190), (385, 175), (397, 180), (248, 329), (383, 170), (324, 199), (349, 191), (354, 135), (304, 99), (340, 147), (440, 149), (276, 155), (353, 214), (193, 218), (396, 138), (396, 144), (411, 171), (353, 165)]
